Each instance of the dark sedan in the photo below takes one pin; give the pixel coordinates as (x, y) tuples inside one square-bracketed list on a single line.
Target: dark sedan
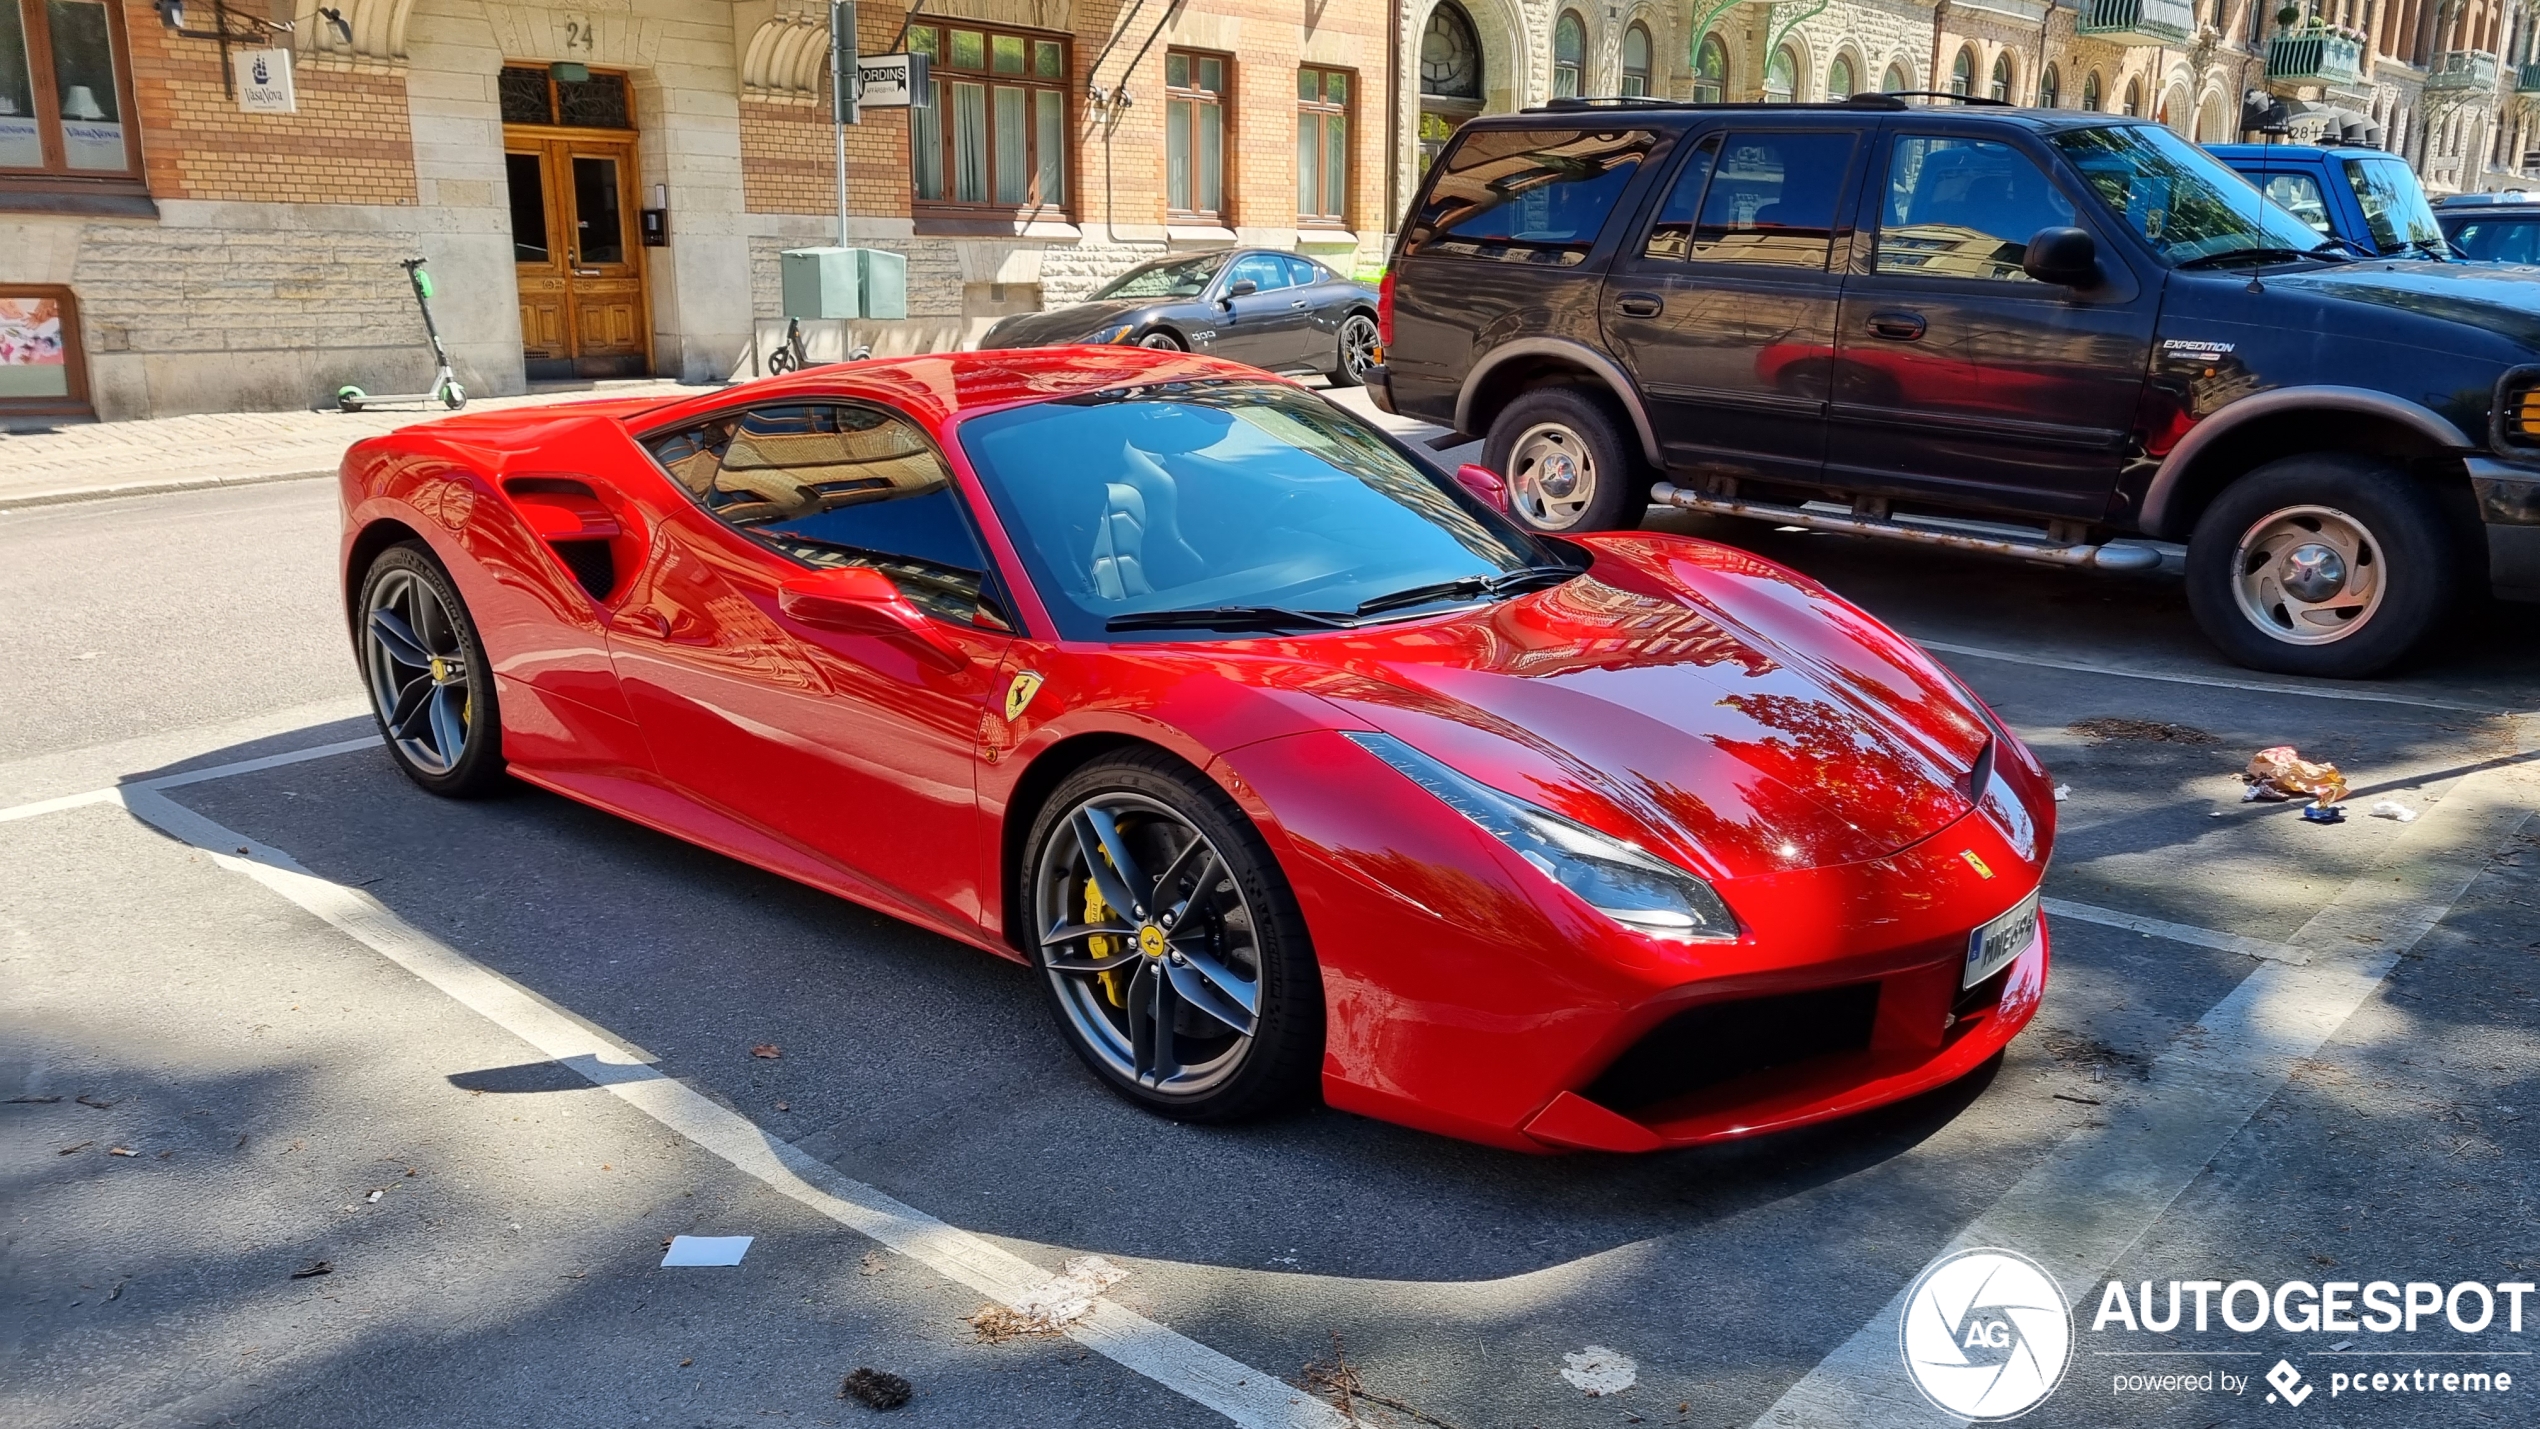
[(1276, 311)]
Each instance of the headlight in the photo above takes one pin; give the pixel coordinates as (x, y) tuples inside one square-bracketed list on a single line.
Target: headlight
[(1641, 892), (1112, 334)]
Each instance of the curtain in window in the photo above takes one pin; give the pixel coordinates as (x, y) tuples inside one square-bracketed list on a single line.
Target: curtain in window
[(926, 141), (1014, 173), (1051, 116), (970, 143)]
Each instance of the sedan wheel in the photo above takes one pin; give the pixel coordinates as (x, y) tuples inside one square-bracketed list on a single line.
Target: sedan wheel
[(1170, 945), (1357, 351), (1162, 342), (426, 671)]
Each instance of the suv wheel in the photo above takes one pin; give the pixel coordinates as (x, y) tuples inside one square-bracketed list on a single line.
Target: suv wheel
[(1566, 465), (2321, 565)]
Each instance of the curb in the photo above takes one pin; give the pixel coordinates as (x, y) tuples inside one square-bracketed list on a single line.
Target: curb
[(154, 488)]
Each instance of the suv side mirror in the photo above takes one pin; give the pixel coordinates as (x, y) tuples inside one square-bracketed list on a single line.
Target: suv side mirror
[(2067, 257)]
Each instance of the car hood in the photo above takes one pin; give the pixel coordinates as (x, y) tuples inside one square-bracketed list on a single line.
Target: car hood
[(1685, 695), (1063, 325), (2499, 297)]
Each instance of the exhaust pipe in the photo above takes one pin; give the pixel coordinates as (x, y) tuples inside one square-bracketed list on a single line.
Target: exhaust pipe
[(2105, 558)]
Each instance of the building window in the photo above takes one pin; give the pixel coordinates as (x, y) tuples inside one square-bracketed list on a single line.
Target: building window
[(1322, 147), (995, 137), (2000, 88), (41, 373), (1711, 71), (2133, 97), (531, 95), (1781, 77), (1839, 81), (1897, 80), (1962, 72), (2091, 94), (65, 95), (1450, 78), (1636, 60), (2050, 89), (1195, 135), (1569, 44)]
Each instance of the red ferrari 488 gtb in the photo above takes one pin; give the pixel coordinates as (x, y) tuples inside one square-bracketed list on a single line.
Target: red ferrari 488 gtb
[(1281, 755)]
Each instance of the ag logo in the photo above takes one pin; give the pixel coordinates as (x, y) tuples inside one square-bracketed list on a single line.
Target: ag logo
[(1986, 1334), (1019, 694)]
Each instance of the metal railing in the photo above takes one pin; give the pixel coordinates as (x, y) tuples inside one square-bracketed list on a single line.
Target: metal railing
[(2330, 59), (2141, 22), (2455, 71)]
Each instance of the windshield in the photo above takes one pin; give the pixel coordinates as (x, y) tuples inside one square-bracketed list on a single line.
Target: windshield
[(2394, 205), (2185, 202), (1197, 495), (1170, 278)]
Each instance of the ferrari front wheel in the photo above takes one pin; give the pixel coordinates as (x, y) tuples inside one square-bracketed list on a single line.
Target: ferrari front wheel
[(1171, 947), (430, 684)]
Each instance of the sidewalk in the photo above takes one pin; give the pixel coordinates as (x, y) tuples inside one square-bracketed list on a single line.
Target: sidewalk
[(102, 459)]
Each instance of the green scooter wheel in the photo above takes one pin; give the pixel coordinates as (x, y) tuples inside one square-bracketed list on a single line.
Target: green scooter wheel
[(349, 398), (453, 396)]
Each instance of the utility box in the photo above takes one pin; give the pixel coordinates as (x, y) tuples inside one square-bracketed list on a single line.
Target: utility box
[(845, 283)]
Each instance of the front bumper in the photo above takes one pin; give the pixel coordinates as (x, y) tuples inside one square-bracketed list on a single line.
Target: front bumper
[(2508, 498)]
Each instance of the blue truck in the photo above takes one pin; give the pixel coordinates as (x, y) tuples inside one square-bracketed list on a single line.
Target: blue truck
[(2367, 199)]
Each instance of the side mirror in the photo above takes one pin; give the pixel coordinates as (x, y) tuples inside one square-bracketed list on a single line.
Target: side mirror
[(859, 600), (1487, 486), (1242, 288), (2067, 257)]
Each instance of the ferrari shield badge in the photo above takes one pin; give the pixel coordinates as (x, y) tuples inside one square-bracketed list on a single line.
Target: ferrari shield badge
[(1966, 853), (1018, 696)]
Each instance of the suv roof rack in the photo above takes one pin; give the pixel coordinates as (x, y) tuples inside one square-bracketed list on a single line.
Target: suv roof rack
[(1591, 103), (1981, 101)]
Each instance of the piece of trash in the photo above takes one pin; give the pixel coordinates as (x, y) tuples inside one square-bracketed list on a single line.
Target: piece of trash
[(2282, 773), (706, 1250), (2217, 813), (2323, 814), (2069, 1097), (2397, 813), (781, 1106), (314, 1267), (1597, 1371), (373, 1197), (2063, 792), (878, 1389), (121, 1151), (769, 1050), (1052, 1307), (873, 1264), (683, 1364), (2341, 1344), (84, 1099), (67, 1150)]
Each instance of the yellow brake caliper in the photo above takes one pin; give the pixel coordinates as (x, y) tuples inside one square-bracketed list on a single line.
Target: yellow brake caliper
[(1114, 983)]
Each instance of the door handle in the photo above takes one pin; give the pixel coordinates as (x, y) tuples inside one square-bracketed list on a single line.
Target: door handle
[(1300, 305), (1897, 327), (1640, 305), (586, 272)]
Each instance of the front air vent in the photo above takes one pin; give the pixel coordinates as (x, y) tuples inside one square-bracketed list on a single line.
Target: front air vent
[(570, 517), (1705, 1045)]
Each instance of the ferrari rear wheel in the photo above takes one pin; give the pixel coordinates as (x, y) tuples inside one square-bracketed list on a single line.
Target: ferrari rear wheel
[(1173, 952), (430, 685)]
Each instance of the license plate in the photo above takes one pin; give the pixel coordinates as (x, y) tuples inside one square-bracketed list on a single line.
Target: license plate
[(1991, 948)]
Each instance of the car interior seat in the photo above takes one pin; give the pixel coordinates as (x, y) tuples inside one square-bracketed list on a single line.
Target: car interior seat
[(1138, 545)]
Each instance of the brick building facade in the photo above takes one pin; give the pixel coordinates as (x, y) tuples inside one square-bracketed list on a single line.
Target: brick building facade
[(229, 260)]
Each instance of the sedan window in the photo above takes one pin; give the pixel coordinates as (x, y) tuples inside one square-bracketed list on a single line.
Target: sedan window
[(1305, 272), (1172, 278), (1264, 271), (2500, 240)]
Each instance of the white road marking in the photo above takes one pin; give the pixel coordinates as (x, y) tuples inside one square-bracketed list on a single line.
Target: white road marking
[(1243, 1394), (190, 776), (2263, 687), (2176, 932), (2097, 1193)]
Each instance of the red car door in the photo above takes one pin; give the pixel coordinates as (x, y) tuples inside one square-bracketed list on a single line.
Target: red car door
[(856, 747)]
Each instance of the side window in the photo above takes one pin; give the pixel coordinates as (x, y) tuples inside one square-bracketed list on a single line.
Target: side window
[(1672, 235), (1526, 195), (1305, 272), (2500, 240), (1964, 208), (1265, 270), (1770, 198), (841, 485), (2299, 195)]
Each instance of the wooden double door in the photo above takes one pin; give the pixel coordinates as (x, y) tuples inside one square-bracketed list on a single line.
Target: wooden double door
[(575, 239)]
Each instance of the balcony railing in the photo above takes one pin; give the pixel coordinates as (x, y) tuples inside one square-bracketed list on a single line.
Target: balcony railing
[(2456, 71), (2139, 22), (2528, 81), (2328, 59)]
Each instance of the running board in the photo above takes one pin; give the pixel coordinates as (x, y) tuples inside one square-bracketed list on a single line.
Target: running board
[(2105, 558)]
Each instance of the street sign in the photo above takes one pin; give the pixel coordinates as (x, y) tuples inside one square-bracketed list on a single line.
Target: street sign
[(892, 81)]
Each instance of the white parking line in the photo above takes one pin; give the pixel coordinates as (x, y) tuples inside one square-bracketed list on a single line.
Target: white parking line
[(2263, 687), (190, 776), (2097, 1193), (2176, 932), (1243, 1394)]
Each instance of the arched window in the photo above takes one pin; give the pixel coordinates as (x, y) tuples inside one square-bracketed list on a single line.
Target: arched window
[(1450, 54), (1897, 80), (2134, 97), (1711, 71), (2050, 89), (2001, 86), (1636, 60), (2091, 94), (1839, 81), (1569, 44), (1781, 77), (1962, 72)]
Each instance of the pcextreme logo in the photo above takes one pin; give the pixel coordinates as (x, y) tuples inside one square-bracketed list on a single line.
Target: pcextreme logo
[(1986, 1334)]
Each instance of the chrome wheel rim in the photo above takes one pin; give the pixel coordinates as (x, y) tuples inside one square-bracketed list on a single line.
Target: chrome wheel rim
[(1551, 477), (418, 671), (1161, 341), (1153, 950), (1358, 345), (2308, 575)]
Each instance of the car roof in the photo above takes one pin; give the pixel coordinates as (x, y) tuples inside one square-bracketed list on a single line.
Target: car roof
[(941, 388), (1865, 105), (2454, 203), (2298, 151)]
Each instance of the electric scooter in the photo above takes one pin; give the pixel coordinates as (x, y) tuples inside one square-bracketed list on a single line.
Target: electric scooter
[(445, 383)]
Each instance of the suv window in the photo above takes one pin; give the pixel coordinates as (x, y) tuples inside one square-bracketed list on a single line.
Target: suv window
[(2512, 239), (1527, 195), (1755, 198), (2299, 194), (839, 485), (1963, 208)]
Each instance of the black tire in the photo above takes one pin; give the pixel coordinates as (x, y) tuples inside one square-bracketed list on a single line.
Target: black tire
[(1277, 1066), (397, 580), (1567, 465), (2396, 566), (1163, 341), (1351, 347)]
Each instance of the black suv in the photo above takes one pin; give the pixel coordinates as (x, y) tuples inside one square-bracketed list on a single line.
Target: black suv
[(1933, 322)]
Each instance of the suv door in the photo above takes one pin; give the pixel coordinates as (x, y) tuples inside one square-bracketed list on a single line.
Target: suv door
[(1724, 310), (1958, 376)]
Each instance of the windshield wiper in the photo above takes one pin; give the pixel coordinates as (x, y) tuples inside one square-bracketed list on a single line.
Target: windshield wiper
[(1229, 617), (2256, 253), (1468, 587)]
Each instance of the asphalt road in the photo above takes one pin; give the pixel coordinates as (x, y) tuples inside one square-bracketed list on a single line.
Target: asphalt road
[(2271, 1051)]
